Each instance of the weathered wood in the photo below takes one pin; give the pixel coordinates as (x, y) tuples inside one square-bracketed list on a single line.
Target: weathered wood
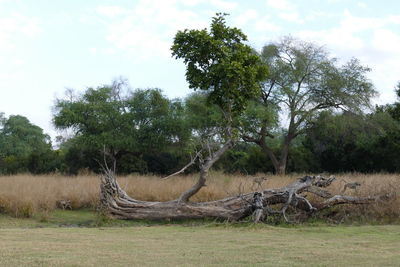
[(259, 204), (204, 168)]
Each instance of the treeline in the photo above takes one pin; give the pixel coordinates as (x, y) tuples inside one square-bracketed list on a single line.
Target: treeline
[(149, 133), (290, 107)]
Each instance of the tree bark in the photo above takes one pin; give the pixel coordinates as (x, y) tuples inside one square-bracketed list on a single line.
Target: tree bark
[(281, 170), (118, 204), (205, 167)]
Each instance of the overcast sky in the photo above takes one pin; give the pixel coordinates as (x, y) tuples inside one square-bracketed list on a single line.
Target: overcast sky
[(47, 46)]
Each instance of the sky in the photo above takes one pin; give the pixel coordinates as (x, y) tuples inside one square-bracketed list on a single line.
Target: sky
[(47, 46)]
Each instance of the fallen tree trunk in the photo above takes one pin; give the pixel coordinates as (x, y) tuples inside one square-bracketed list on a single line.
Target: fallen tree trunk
[(259, 204)]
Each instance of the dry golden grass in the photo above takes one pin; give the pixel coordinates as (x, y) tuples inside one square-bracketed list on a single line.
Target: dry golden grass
[(24, 195)]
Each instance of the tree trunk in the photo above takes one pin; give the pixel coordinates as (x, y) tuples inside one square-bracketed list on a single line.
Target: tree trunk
[(212, 158), (281, 170), (279, 165), (117, 203)]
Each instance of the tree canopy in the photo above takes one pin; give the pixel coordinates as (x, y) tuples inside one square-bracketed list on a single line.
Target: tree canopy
[(24, 146), (303, 81), (354, 142), (220, 62), (128, 123)]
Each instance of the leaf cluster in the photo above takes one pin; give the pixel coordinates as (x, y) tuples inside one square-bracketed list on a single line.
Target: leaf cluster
[(220, 62)]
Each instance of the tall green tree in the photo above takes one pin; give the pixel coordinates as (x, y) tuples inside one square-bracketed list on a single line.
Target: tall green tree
[(304, 81), (22, 143), (21, 137), (222, 64), (128, 123)]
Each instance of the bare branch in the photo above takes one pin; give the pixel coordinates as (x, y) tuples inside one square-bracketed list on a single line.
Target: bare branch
[(318, 191), (339, 199), (210, 160), (193, 161)]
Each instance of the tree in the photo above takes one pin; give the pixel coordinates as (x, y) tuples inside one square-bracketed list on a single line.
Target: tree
[(351, 142), (20, 141), (304, 81), (220, 63), (394, 109), (129, 123)]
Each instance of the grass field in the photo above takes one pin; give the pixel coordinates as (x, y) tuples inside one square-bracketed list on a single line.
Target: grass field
[(205, 245), (84, 238)]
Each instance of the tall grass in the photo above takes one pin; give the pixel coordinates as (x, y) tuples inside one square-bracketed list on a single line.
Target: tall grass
[(25, 195)]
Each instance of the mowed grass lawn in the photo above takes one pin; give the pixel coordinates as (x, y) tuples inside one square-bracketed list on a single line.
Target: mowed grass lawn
[(204, 245)]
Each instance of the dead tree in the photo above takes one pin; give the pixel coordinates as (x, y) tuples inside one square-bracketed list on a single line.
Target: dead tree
[(118, 204)]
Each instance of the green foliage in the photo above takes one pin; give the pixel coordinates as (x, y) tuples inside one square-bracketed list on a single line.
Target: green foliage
[(204, 119), (245, 159), (24, 147), (303, 81), (393, 109), (20, 137), (350, 142), (219, 62), (96, 117), (259, 118), (130, 124)]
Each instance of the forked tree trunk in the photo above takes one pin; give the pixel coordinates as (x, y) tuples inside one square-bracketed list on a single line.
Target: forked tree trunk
[(117, 203), (280, 163)]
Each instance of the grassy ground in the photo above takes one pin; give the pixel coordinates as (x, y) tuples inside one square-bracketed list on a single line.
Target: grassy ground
[(34, 233), (38, 242)]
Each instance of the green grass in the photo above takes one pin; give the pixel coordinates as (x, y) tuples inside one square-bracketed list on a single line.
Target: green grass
[(38, 242), (83, 218)]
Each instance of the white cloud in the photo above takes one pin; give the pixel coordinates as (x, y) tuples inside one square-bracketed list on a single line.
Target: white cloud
[(291, 17), (246, 16), (265, 25), (93, 50), (280, 4), (286, 10), (18, 62), (314, 15), (369, 39), (110, 11), (16, 25), (348, 34), (386, 40), (226, 6), (148, 28), (362, 4), (191, 3), (393, 19)]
